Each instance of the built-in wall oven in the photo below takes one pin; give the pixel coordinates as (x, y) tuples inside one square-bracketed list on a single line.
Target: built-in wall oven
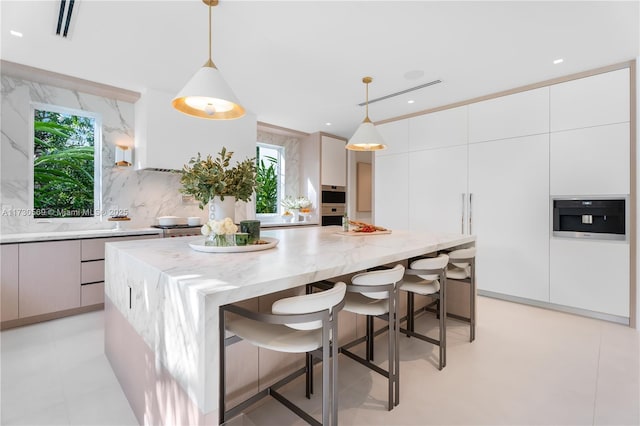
[(333, 204), (603, 218)]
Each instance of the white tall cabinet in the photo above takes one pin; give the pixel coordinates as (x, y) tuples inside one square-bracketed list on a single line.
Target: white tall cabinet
[(509, 189), (590, 156), (509, 193), (490, 168), (391, 177), (438, 171)]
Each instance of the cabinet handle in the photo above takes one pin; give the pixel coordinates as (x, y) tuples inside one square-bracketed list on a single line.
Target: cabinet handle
[(130, 304), (470, 213), (462, 215)]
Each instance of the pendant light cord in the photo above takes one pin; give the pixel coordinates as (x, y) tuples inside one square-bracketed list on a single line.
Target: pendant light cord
[(210, 32), (367, 109)]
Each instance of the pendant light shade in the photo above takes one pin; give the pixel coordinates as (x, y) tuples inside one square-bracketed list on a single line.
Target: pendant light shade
[(207, 95), (366, 137)]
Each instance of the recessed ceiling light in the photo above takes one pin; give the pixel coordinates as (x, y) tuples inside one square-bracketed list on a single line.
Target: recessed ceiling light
[(410, 101), (558, 61), (15, 33), (328, 124)]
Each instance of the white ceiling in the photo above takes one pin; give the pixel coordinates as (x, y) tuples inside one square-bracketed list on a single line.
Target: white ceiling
[(299, 64)]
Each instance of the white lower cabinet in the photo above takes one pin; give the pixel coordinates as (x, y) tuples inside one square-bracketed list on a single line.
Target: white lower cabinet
[(509, 187), (592, 275), (391, 191), (437, 189)]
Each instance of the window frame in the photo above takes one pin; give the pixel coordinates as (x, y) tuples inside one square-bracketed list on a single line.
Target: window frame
[(97, 162), (280, 173)]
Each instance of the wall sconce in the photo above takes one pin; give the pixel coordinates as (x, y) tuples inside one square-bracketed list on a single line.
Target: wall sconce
[(124, 156)]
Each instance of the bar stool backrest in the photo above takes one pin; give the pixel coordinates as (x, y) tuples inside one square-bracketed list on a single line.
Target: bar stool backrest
[(308, 303), (381, 277), (467, 253), (439, 262)]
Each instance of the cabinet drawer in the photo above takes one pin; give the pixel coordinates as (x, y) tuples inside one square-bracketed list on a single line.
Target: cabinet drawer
[(92, 294), (92, 272), (93, 249)]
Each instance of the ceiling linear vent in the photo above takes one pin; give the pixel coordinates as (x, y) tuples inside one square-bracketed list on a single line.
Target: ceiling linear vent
[(402, 92), (61, 17)]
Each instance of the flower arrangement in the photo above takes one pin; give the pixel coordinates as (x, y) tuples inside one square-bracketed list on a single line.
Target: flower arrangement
[(300, 202), (207, 178), (217, 231)]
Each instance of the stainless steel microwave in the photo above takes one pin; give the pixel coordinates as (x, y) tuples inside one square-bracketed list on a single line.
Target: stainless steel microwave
[(603, 218)]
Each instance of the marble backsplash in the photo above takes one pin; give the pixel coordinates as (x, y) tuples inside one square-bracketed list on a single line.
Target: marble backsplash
[(144, 194), (291, 159)]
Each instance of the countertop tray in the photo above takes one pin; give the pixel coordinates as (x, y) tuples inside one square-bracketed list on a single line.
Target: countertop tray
[(354, 233), (271, 243)]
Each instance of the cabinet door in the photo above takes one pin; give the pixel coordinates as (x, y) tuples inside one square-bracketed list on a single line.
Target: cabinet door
[(439, 129), (391, 177), (396, 136), (509, 183), (591, 275), (517, 115), (437, 189), (49, 277), (9, 282), (592, 161), (333, 162), (590, 101)]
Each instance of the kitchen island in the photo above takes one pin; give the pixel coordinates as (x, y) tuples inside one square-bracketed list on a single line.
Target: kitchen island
[(163, 298)]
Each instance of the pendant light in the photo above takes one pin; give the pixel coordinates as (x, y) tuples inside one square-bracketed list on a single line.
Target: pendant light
[(366, 138), (207, 95)]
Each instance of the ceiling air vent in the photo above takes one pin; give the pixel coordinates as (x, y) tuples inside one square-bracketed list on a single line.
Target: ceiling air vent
[(402, 92), (64, 17)]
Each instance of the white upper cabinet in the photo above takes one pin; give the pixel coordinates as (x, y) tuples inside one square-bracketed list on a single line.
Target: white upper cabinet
[(391, 179), (592, 161), (333, 164), (438, 129), (395, 136), (166, 138), (520, 114), (590, 101)]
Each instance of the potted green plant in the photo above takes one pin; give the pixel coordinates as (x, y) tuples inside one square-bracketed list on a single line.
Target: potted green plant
[(213, 181)]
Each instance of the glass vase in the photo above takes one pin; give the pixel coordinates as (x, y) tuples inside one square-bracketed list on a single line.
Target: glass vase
[(216, 240)]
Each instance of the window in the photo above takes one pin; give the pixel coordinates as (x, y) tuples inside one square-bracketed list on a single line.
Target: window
[(66, 163), (269, 178)]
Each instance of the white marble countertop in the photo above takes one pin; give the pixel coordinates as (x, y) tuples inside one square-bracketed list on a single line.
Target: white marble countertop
[(73, 235), (171, 293)]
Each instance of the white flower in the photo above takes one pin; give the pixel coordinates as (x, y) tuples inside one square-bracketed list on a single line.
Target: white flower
[(229, 227), (222, 227), (205, 230), (217, 228), (295, 203)]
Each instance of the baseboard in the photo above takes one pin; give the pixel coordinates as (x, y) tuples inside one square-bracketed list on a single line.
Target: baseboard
[(547, 305)]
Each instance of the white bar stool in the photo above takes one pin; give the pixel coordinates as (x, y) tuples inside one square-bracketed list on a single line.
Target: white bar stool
[(427, 277), (299, 324), (375, 294), (462, 267)]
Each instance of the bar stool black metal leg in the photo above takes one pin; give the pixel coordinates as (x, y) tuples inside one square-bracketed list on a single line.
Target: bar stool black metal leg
[(370, 336)]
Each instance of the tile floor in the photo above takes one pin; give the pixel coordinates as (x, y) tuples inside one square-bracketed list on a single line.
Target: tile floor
[(527, 366)]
